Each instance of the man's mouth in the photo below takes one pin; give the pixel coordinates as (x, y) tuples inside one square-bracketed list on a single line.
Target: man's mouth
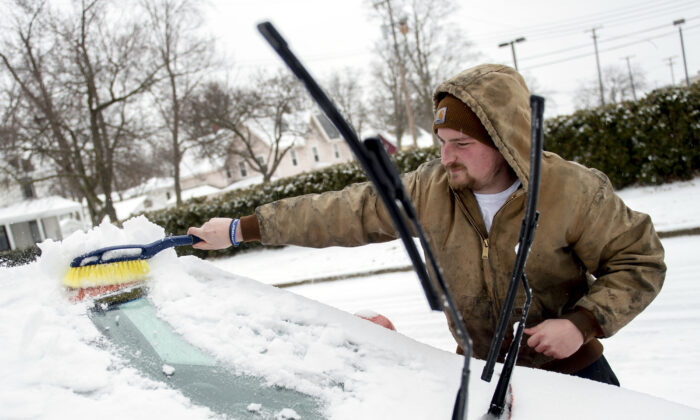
[(453, 169)]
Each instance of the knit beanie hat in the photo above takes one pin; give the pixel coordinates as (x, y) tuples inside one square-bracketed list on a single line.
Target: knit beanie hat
[(455, 114)]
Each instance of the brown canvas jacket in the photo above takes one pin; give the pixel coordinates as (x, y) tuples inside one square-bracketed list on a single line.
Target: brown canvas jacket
[(593, 260)]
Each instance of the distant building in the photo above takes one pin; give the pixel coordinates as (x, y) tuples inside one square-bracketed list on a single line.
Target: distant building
[(31, 221), (28, 212), (322, 146)]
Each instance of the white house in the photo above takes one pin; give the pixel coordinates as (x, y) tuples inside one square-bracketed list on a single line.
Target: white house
[(26, 219), (31, 221)]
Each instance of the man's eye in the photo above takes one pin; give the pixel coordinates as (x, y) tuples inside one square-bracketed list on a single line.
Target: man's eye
[(463, 144)]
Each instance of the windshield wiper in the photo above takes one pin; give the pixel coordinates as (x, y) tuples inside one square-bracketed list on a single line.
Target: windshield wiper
[(527, 235), (383, 174)]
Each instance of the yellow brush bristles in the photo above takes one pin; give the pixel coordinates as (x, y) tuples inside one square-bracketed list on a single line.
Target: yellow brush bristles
[(106, 274)]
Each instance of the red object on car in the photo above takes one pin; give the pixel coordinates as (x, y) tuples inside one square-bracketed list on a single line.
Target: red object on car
[(378, 319)]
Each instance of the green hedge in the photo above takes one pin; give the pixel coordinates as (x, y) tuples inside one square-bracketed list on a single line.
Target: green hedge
[(650, 141), (243, 202)]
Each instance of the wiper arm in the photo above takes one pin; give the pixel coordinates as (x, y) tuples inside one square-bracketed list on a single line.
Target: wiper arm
[(383, 174), (527, 235)]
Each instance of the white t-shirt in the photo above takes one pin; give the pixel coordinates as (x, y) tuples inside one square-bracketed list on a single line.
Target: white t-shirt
[(489, 204)]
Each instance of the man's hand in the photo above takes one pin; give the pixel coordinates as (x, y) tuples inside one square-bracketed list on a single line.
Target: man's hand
[(215, 234), (558, 338)]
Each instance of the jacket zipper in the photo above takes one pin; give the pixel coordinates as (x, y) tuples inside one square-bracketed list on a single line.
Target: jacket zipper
[(510, 199), (488, 276)]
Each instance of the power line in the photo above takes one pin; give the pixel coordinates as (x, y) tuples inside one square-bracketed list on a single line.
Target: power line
[(632, 14), (617, 47), (602, 41), (627, 19)]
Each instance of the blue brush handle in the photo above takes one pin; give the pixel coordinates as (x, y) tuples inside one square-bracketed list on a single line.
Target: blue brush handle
[(132, 252)]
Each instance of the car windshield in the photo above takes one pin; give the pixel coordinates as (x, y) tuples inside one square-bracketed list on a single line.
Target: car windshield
[(150, 345)]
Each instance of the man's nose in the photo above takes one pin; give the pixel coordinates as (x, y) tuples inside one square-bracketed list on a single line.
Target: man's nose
[(446, 156)]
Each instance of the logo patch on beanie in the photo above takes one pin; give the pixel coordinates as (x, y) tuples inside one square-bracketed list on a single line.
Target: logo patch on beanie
[(440, 115)]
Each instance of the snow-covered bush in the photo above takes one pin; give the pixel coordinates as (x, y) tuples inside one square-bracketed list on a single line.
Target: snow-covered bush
[(650, 141), (19, 256)]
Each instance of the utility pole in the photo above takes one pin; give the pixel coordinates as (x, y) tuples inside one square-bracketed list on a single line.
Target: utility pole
[(512, 47), (629, 72), (402, 74), (670, 65), (678, 23), (597, 61)]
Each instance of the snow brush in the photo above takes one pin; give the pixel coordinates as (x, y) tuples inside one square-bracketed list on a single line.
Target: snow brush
[(114, 267)]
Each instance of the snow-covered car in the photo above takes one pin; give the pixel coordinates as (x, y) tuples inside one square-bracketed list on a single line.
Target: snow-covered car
[(206, 343)]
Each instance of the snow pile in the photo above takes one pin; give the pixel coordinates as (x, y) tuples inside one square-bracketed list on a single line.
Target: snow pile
[(55, 364)]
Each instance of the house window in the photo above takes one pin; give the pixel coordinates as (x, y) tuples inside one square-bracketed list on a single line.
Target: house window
[(336, 150), (314, 150), (52, 228), (34, 229), (167, 195), (25, 234), (293, 155), (228, 173), (4, 240), (244, 171)]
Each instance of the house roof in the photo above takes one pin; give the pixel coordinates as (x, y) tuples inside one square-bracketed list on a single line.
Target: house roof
[(245, 183), (264, 129), (425, 139), (37, 208), (192, 164), (198, 191), (328, 128), (130, 206)]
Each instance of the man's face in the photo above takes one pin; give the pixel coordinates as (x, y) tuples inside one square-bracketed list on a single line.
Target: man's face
[(470, 164)]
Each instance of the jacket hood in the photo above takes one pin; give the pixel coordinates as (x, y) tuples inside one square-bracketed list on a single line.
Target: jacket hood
[(499, 96)]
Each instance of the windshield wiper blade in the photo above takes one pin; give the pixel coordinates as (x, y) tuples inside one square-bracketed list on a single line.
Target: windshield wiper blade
[(383, 174), (527, 235)]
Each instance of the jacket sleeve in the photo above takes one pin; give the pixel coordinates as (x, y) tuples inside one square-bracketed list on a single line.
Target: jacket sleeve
[(350, 217), (622, 251)]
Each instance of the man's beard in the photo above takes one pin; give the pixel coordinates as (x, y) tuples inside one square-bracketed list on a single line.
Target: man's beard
[(466, 183)]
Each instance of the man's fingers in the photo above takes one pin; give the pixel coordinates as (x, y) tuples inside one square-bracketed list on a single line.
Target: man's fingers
[(533, 330), (533, 341), (198, 232)]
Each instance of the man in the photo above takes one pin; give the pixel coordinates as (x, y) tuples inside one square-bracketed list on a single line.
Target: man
[(594, 263)]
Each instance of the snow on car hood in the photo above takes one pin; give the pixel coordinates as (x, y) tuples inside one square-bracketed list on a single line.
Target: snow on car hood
[(56, 364)]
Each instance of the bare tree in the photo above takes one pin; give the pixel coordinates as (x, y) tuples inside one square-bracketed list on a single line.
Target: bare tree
[(266, 119), (80, 74), (387, 106), (431, 45), (619, 85), (347, 92), (184, 55)]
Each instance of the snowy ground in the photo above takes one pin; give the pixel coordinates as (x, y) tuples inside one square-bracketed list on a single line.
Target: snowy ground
[(55, 364)]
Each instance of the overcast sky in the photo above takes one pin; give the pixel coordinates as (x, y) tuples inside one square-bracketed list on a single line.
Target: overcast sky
[(558, 53)]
